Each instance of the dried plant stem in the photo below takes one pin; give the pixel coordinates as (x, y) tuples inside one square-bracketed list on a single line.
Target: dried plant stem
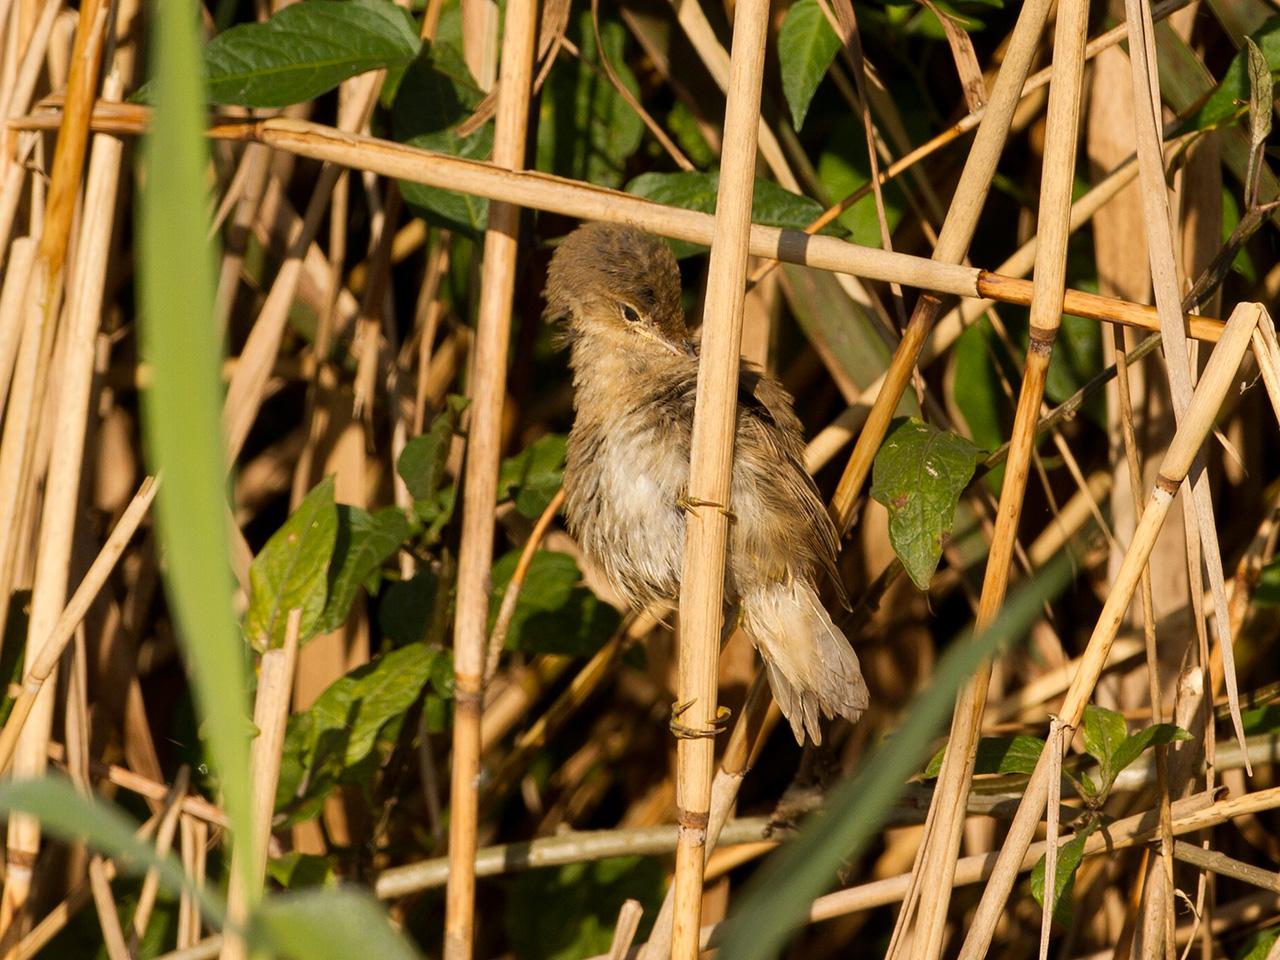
[(953, 244), (937, 862), (270, 716), (711, 472), (164, 843), (1173, 469), (625, 930), (484, 448)]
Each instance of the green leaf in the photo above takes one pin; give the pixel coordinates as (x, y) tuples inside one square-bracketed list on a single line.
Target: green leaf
[(587, 897), (405, 607), (1261, 93), (436, 94), (555, 613), (843, 167), (182, 408), (1258, 945), (292, 571), (307, 49), (586, 130), (363, 544), (919, 474), (688, 134), (421, 463), (1069, 856), (1230, 99), (977, 394), (1261, 719), (340, 729), (294, 870), (532, 477), (1018, 754), (778, 896), (771, 205), (1104, 731), (1131, 747), (806, 47), (328, 924), (1267, 591)]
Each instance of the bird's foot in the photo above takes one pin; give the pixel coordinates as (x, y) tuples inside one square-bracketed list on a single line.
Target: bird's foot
[(683, 731), (687, 503)]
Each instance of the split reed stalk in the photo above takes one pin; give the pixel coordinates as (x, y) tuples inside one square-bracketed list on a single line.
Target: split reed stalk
[(711, 471), (1190, 434), (270, 716), (480, 483), (937, 862), (953, 244)]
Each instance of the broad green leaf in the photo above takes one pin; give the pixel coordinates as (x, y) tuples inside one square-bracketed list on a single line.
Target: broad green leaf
[(806, 47), (405, 608), (1131, 747), (436, 94), (1267, 591), (295, 870), (778, 896), (843, 168), (1261, 719), (587, 897), (363, 544), (307, 49), (421, 463), (532, 477), (65, 811), (554, 613), (182, 408), (919, 474), (771, 205), (1018, 754), (292, 571), (1230, 99), (328, 924), (1258, 945), (1069, 856), (586, 130), (688, 134), (1077, 355), (976, 390), (1104, 731)]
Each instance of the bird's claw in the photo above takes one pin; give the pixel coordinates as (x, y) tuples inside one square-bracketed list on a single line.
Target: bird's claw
[(683, 731), (685, 502)]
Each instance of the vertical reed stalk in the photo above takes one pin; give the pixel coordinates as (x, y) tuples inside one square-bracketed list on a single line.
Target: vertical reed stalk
[(711, 470), (1178, 459), (951, 796), (953, 244), (480, 482)]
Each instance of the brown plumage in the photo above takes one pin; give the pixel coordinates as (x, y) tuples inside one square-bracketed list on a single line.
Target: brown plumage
[(635, 372)]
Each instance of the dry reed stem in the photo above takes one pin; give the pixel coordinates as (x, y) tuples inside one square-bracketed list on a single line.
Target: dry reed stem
[(206, 949), (625, 929), (953, 243), (22, 254), (479, 489), (104, 902), (1177, 461), (164, 843), (1053, 231), (270, 716), (711, 471), (195, 837)]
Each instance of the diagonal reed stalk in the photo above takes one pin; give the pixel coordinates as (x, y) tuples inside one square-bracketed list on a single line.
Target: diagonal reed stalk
[(711, 471), (1177, 461), (937, 859), (480, 483)]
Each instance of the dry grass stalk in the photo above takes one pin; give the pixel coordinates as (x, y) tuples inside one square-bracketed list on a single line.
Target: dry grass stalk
[(195, 839), (1177, 462), (479, 489), (164, 843), (711, 471), (22, 254), (625, 930), (270, 715)]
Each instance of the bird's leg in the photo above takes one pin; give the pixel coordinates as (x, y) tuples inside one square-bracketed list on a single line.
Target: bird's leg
[(688, 503), (683, 731)]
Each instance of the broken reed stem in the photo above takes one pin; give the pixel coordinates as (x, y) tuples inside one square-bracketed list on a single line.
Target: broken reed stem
[(953, 244), (1177, 461), (937, 865), (484, 450), (270, 716), (164, 843), (711, 471), (71, 616)]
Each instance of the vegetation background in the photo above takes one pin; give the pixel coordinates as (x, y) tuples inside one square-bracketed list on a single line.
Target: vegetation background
[(241, 312)]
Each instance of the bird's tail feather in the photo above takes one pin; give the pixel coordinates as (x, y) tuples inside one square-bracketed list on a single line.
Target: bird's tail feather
[(811, 665)]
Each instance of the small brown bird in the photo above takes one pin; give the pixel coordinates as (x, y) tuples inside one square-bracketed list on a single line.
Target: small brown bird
[(635, 373)]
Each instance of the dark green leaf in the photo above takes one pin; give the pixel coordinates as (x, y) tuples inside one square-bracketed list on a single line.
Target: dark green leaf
[(294, 870), (806, 47), (587, 897), (1258, 945), (1069, 856), (421, 463), (843, 167), (292, 570), (1261, 719), (328, 924), (1267, 592), (405, 607), (772, 205), (919, 474), (586, 130), (554, 613), (364, 543), (1131, 747), (532, 477), (1104, 731), (1230, 99), (997, 755), (307, 49)]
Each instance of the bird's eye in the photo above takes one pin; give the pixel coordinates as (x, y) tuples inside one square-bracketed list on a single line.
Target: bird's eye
[(630, 313)]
